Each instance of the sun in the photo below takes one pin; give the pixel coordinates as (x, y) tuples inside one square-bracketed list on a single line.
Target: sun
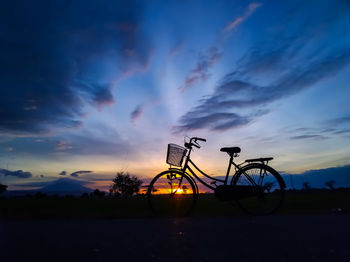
[(178, 191)]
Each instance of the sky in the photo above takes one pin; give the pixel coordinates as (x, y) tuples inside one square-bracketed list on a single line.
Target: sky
[(90, 88)]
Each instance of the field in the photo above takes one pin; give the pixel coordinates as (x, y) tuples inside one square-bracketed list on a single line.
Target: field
[(322, 202)]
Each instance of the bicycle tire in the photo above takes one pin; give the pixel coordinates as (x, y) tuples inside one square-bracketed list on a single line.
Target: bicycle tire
[(172, 193), (268, 197)]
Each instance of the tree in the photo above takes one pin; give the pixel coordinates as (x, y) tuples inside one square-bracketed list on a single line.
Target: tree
[(3, 188), (306, 186), (85, 195), (98, 193), (125, 185), (330, 184), (268, 186)]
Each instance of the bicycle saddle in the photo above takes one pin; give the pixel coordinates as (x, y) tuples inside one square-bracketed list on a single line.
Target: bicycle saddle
[(231, 150)]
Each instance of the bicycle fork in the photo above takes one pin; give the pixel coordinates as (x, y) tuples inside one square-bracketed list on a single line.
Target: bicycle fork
[(171, 178)]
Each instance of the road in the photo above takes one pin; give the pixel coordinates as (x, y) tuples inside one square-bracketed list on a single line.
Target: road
[(272, 238)]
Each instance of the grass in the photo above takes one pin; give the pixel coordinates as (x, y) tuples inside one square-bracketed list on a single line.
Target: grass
[(324, 202)]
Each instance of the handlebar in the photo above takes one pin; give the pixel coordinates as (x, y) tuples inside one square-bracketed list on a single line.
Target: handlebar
[(193, 142), (197, 138)]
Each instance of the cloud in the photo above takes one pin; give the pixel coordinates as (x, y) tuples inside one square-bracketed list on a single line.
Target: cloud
[(215, 121), (97, 139), (339, 121), (137, 113), (63, 173), (90, 143), (9, 149), (238, 20), (233, 93), (313, 137), (67, 57), (339, 132), (62, 145), (200, 72), (77, 173), (176, 48), (262, 76), (17, 173), (320, 133)]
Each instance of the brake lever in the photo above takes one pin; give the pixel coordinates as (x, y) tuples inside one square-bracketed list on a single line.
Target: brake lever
[(196, 144)]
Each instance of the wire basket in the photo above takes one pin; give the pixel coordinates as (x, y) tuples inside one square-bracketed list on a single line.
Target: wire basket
[(175, 155)]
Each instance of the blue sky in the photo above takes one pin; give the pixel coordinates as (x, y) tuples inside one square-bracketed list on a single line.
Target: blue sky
[(104, 86)]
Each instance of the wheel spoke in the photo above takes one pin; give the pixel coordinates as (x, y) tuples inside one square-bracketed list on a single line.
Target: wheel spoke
[(266, 181)]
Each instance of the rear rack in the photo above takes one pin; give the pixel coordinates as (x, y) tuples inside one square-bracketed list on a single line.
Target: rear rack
[(267, 159)]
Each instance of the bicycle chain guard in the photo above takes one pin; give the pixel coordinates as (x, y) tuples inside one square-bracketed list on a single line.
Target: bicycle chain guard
[(229, 192)]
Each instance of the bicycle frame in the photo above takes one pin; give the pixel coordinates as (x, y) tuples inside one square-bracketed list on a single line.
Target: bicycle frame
[(188, 167)]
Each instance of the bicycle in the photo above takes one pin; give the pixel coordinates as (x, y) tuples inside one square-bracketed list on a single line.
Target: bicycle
[(256, 187)]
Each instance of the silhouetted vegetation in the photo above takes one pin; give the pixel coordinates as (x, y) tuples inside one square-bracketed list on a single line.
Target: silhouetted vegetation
[(307, 200), (306, 186), (85, 195), (40, 195), (330, 184), (69, 196), (3, 188), (268, 185), (98, 193), (315, 201), (125, 185)]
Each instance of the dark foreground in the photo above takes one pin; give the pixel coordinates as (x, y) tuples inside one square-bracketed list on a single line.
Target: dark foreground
[(297, 203), (242, 238)]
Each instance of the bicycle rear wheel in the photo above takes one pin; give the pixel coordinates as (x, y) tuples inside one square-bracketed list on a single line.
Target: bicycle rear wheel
[(266, 187), (172, 193)]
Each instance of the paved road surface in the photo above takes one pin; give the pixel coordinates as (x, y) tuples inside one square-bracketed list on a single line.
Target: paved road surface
[(273, 238)]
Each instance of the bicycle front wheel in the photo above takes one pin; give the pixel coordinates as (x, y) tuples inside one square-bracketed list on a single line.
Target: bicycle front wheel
[(172, 193), (266, 189)]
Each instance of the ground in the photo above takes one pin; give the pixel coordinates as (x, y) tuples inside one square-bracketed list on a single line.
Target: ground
[(309, 227), (244, 238)]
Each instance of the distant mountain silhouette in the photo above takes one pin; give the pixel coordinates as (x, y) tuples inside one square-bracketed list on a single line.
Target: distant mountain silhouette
[(318, 177), (65, 185), (61, 186)]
